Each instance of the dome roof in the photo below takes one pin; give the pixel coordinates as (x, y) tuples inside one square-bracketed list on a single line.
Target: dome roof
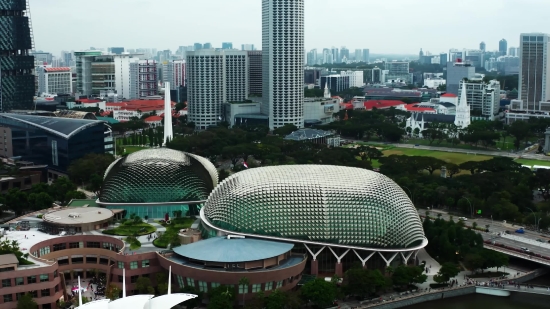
[(158, 176), (316, 203)]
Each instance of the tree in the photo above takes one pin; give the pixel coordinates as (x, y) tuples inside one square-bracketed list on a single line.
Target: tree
[(473, 261), (285, 130), (244, 282), (81, 171), (319, 292), (96, 182), (74, 195), (220, 298), (520, 130), (452, 169), (26, 302), (144, 286), (59, 189), (405, 275), (446, 272), (112, 292), (276, 300)]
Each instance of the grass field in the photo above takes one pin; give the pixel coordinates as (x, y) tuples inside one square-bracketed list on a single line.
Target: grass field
[(131, 149), (131, 229), (533, 162), (172, 231)]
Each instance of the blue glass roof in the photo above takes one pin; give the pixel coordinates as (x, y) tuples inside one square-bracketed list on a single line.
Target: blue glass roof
[(223, 250), (64, 127)]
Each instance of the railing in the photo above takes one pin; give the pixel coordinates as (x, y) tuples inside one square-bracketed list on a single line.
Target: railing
[(517, 254)]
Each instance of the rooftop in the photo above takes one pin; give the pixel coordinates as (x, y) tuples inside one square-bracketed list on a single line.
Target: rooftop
[(305, 134), (81, 203), (449, 95), (370, 104), (58, 69), (6, 259), (234, 250), (64, 127), (81, 215)]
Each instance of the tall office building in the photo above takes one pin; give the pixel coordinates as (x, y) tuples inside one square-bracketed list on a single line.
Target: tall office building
[(83, 71), (335, 55), (173, 73), (116, 50), (358, 55), (247, 47), (214, 77), (482, 46), (513, 51), (283, 71), (482, 97), (255, 67), (534, 69), (502, 47), (17, 81), (197, 46), (311, 57), (227, 45), (344, 53), (456, 72), (207, 45), (143, 79), (366, 55)]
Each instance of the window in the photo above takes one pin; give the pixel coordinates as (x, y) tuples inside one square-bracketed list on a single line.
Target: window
[(256, 288), (47, 306), (6, 282), (58, 247), (55, 274), (190, 282), (119, 278), (133, 279), (19, 295), (133, 265), (34, 293), (279, 284), (44, 278), (214, 284), (74, 245), (269, 286), (56, 288), (180, 281), (31, 279), (6, 269), (44, 292), (144, 263), (203, 286), (243, 288), (44, 251), (19, 281), (121, 265), (92, 244), (8, 298)]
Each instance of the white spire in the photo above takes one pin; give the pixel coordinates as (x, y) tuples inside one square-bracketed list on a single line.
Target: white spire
[(169, 279), (327, 91), (79, 293), (168, 134), (123, 282), (462, 118)]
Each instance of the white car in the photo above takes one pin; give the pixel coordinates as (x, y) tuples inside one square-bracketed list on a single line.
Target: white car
[(462, 219)]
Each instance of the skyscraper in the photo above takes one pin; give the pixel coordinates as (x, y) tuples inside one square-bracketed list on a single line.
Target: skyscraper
[(255, 72), (207, 46), (502, 47), (17, 82), (227, 45), (358, 55), (312, 57), (482, 46), (283, 61), (366, 55), (336, 55), (534, 68), (214, 77), (344, 53)]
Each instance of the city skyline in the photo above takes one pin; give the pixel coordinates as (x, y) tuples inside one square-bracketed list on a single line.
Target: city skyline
[(51, 17)]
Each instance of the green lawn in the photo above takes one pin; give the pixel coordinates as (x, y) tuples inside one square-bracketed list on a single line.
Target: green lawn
[(533, 162), (425, 142), (131, 229), (172, 231), (131, 149), (134, 243), (450, 157)]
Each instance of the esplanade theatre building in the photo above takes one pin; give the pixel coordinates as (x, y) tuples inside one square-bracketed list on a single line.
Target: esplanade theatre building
[(273, 225)]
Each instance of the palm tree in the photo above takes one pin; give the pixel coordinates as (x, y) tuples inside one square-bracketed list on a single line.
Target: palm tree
[(244, 281)]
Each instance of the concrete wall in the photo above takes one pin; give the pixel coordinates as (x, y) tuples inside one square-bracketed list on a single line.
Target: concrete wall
[(426, 297)]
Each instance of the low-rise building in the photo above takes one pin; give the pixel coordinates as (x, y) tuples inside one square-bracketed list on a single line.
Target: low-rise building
[(54, 80)]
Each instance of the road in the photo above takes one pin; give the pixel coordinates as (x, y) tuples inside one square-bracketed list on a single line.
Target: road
[(496, 227)]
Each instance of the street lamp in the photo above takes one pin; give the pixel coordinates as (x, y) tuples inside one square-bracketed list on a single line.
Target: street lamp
[(534, 215), (538, 224), (471, 208)]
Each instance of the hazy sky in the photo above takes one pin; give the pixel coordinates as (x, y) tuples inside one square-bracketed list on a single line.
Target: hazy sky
[(384, 26)]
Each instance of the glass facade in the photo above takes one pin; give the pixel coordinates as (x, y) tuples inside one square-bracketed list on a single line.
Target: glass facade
[(318, 203), (157, 211), (33, 141), (17, 82), (158, 176)]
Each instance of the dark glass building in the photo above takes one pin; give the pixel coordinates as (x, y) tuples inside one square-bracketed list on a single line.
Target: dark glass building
[(53, 141), (16, 64)]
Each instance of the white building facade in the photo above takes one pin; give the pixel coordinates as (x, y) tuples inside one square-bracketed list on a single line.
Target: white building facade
[(355, 78), (534, 69), (122, 74), (483, 97), (173, 72), (462, 117), (54, 80), (283, 62), (214, 77), (143, 79)]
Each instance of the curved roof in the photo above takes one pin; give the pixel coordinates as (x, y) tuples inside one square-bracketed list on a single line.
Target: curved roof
[(234, 250), (63, 127), (158, 176), (322, 204), (82, 215), (75, 114)]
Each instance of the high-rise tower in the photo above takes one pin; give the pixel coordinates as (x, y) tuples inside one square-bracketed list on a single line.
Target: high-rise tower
[(168, 134), (283, 62), (16, 64), (534, 69)]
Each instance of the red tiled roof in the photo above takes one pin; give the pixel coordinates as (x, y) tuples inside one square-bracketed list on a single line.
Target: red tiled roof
[(418, 109), (382, 103), (88, 101), (449, 95), (346, 105), (59, 69), (153, 119)]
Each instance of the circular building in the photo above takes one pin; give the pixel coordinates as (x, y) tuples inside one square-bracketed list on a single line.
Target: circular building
[(155, 182), (76, 220), (318, 206)]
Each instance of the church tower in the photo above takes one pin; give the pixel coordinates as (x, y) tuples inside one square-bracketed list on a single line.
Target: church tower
[(327, 91), (462, 118)]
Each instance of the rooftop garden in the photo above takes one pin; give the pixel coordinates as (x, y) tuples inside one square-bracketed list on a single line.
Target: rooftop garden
[(131, 227), (170, 237), (9, 247)]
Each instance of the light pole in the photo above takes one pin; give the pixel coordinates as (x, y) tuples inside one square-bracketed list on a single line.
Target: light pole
[(538, 224), (471, 208), (534, 215)]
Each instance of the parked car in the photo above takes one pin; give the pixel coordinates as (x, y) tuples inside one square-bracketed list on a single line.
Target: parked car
[(520, 231), (462, 219), (524, 249)]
